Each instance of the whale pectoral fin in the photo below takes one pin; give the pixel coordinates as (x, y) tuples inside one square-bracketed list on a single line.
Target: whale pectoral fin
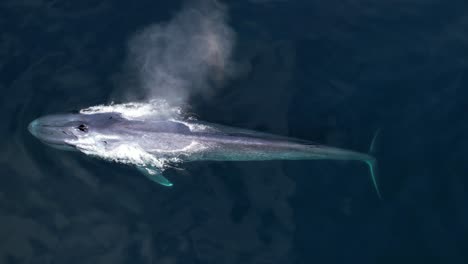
[(155, 175)]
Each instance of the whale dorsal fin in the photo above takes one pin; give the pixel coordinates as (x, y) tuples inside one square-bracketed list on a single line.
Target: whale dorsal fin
[(155, 174)]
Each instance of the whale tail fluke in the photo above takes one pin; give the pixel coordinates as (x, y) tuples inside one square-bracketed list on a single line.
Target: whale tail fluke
[(372, 163)]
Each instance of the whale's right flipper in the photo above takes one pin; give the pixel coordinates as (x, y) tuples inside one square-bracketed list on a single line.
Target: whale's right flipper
[(155, 174)]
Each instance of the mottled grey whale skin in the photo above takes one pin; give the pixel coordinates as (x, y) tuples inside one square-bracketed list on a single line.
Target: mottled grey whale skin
[(187, 140)]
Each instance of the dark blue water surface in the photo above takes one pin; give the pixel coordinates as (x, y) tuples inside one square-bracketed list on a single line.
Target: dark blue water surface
[(328, 71)]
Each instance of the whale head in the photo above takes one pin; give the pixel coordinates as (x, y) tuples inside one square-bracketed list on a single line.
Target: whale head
[(60, 129)]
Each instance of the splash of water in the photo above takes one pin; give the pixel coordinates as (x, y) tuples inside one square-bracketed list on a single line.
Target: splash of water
[(154, 109), (126, 153)]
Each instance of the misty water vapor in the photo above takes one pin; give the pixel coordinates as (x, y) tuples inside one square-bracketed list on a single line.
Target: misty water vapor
[(189, 55)]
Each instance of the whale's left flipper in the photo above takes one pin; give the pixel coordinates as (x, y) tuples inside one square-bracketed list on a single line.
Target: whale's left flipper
[(155, 174)]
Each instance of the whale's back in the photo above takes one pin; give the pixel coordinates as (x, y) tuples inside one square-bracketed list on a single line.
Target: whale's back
[(163, 126)]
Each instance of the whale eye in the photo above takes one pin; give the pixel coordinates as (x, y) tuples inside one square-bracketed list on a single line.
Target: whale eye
[(83, 128)]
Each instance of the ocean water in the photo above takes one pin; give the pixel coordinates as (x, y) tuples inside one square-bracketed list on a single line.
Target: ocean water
[(333, 72)]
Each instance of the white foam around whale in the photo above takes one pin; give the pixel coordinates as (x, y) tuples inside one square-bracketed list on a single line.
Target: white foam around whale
[(156, 109), (128, 151)]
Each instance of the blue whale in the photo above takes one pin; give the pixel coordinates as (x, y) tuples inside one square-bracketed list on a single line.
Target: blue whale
[(152, 145)]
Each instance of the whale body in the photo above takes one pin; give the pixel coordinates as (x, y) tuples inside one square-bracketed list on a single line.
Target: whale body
[(153, 144)]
